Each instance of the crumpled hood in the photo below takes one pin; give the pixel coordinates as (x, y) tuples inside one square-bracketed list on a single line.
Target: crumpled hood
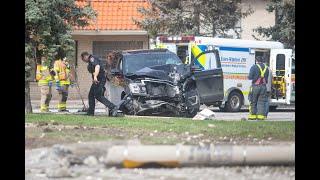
[(162, 72)]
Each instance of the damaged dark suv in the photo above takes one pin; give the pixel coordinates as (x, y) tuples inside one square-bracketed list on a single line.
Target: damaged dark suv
[(157, 82)]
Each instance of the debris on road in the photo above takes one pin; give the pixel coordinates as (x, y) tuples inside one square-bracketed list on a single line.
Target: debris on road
[(205, 114)]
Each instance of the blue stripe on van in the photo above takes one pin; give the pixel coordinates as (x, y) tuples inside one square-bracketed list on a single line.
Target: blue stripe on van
[(234, 49)]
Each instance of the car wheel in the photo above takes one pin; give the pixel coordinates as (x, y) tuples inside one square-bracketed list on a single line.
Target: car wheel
[(193, 103), (234, 102)]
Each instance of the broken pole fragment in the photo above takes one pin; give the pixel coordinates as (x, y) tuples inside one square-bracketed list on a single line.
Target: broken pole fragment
[(213, 155)]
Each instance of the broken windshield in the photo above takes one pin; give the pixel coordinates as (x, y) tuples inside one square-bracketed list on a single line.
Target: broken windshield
[(135, 62)]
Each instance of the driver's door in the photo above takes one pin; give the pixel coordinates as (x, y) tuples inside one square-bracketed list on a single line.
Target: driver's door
[(209, 76)]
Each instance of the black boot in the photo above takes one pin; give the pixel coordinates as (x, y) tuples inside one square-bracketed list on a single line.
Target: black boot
[(90, 113)]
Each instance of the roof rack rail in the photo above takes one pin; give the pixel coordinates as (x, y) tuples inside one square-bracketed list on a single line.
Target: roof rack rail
[(145, 51)]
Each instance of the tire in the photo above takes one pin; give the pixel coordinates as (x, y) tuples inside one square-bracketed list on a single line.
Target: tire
[(192, 108), (234, 102)]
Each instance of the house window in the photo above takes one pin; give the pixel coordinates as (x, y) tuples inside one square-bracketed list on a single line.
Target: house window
[(102, 48)]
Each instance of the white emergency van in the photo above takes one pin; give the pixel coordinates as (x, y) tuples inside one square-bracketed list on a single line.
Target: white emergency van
[(237, 56)]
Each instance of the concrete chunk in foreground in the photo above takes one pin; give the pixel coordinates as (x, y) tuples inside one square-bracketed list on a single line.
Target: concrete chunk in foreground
[(213, 155)]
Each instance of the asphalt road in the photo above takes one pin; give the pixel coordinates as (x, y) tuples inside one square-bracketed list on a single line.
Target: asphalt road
[(278, 115), (282, 113)]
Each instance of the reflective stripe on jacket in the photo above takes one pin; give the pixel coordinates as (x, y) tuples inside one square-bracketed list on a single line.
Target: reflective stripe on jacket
[(261, 79), (43, 75), (62, 70)]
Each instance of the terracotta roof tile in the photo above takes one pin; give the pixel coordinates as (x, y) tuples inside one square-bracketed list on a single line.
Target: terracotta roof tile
[(114, 14)]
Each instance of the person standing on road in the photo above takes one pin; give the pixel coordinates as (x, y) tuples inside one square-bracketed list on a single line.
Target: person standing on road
[(98, 83), (62, 78), (259, 75), (44, 76)]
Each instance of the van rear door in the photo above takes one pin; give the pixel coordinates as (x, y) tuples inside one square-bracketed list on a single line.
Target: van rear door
[(280, 64)]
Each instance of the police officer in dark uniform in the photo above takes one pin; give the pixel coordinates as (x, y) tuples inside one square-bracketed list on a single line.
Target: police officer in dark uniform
[(97, 88), (258, 93)]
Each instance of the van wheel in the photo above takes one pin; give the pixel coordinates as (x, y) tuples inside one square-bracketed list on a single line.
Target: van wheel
[(234, 102)]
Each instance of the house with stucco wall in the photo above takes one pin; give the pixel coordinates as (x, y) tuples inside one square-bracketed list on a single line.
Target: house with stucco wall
[(112, 29)]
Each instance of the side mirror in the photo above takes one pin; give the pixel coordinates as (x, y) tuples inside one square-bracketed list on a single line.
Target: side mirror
[(195, 68)]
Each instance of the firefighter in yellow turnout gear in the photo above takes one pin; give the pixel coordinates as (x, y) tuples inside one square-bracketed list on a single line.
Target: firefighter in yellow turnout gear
[(44, 77), (62, 78), (258, 92)]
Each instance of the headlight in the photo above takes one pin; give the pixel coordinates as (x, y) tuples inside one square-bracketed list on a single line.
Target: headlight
[(137, 88), (175, 77)]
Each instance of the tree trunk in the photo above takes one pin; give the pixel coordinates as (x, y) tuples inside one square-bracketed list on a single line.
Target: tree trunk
[(197, 19), (27, 99), (213, 30)]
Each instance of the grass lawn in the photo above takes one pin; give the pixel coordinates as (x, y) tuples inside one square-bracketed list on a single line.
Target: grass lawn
[(283, 131)]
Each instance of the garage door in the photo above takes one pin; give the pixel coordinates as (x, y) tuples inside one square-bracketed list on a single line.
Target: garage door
[(101, 48)]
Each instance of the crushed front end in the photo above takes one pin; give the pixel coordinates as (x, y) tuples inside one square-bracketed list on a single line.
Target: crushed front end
[(161, 90)]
